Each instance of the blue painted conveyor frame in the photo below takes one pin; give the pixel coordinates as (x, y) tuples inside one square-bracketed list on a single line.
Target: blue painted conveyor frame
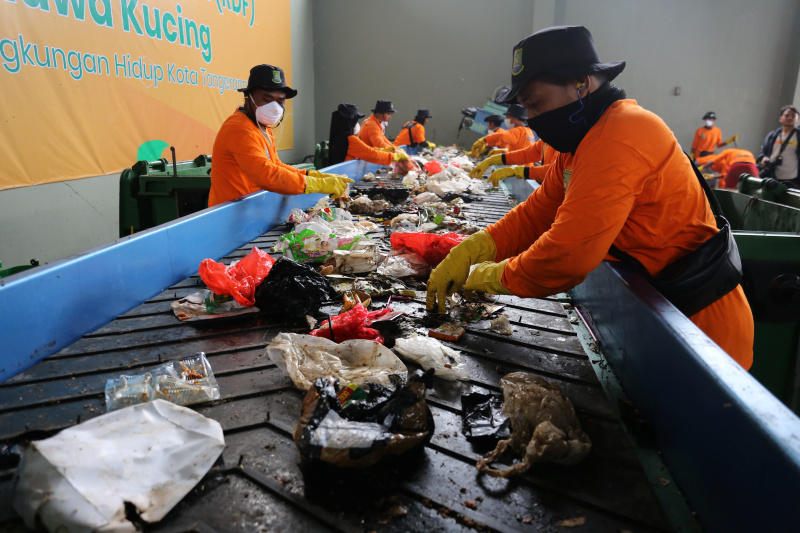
[(732, 447)]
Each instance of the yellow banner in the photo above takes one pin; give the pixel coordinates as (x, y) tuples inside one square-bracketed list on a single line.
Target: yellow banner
[(92, 86)]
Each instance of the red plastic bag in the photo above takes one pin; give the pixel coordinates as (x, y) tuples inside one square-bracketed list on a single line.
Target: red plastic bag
[(433, 167), (354, 324), (240, 280), (432, 248)]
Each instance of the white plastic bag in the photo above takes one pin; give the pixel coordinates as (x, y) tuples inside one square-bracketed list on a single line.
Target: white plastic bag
[(151, 455), (306, 358), (430, 353)]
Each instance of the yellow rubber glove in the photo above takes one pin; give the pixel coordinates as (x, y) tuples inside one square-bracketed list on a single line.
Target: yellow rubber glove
[(318, 174), (487, 277), (328, 184), (452, 273), (431, 145), (400, 156), (391, 149), (731, 140), (497, 151), (481, 167), (478, 147), (505, 172)]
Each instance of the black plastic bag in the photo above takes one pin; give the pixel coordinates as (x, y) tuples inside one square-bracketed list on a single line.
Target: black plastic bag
[(483, 420), (389, 422), (293, 290), (395, 196), (468, 198)]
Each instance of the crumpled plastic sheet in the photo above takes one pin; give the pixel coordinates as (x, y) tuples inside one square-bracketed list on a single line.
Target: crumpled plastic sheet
[(293, 290), (240, 278), (150, 455), (387, 422), (426, 198), (544, 426), (483, 421), (433, 248), (455, 180), (411, 179), (305, 358), (404, 265), (446, 363)]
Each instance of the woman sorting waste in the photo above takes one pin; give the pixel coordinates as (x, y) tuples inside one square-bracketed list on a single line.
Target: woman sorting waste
[(413, 132), (621, 183), (245, 159), (344, 144)]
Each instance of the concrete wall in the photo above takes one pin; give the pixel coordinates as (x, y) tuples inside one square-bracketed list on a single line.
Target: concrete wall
[(56, 220), (736, 57)]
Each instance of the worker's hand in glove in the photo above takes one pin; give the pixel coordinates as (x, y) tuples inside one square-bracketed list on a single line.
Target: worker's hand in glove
[(318, 174), (731, 140), (505, 172), (327, 184), (487, 277), (481, 167), (431, 145), (391, 149), (496, 151), (452, 273), (400, 156), (478, 147)]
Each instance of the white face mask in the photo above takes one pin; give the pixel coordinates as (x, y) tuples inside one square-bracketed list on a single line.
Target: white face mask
[(508, 123), (384, 123), (709, 123), (268, 114), (357, 128)]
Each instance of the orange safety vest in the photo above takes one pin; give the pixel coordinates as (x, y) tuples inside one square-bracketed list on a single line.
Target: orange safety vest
[(372, 133)]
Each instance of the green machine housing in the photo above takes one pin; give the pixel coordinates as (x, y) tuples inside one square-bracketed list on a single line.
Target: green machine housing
[(765, 217)]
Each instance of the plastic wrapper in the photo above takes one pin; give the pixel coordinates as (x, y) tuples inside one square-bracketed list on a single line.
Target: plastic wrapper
[(203, 305), (426, 198), (411, 179), (432, 248), (314, 243), (431, 354), (393, 195), (148, 456), (305, 358), (433, 167), (183, 382), (388, 422), (544, 426), (501, 325), (483, 421), (404, 265), (463, 162), (352, 324), (362, 258), (293, 290), (453, 180), (239, 279)]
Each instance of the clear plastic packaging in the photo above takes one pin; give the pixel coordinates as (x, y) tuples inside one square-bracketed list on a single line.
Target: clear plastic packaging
[(183, 382), (430, 353)]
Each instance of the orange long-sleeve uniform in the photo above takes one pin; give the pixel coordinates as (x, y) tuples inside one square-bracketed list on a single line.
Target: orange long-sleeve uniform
[(244, 160), (642, 197), (538, 152), (417, 132), (514, 139), (372, 133), (722, 162), (706, 140), (357, 149)]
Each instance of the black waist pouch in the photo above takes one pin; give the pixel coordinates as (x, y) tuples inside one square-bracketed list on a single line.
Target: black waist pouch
[(702, 276)]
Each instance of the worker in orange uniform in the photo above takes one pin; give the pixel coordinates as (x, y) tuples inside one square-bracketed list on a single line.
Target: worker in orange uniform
[(244, 157), (344, 145), (413, 132), (620, 179), (372, 130), (519, 135), (532, 163), (731, 164), (708, 138), (494, 124)]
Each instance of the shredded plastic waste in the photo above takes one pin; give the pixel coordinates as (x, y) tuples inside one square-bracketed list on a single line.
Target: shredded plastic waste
[(293, 290), (431, 354), (240, 278)]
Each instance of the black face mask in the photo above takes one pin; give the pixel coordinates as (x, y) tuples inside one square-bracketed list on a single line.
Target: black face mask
[(565, 127)]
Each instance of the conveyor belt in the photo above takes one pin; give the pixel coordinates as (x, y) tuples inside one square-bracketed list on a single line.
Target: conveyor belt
[(259, 485)]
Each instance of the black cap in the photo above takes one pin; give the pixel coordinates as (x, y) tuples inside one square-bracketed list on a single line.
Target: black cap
[(350, 111), (270, 78), (384, 106), (710, 115), (422, 114), (562, 51), (495, 119), (517, 111)]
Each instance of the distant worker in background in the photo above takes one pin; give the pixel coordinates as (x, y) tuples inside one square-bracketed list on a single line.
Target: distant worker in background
[(779, 157), (373, 129), (413, 132), (621, 187), (517, 137), (730, 164), (708, 138), (532, 163), (494, 124), (344, 145), (245, 159)]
